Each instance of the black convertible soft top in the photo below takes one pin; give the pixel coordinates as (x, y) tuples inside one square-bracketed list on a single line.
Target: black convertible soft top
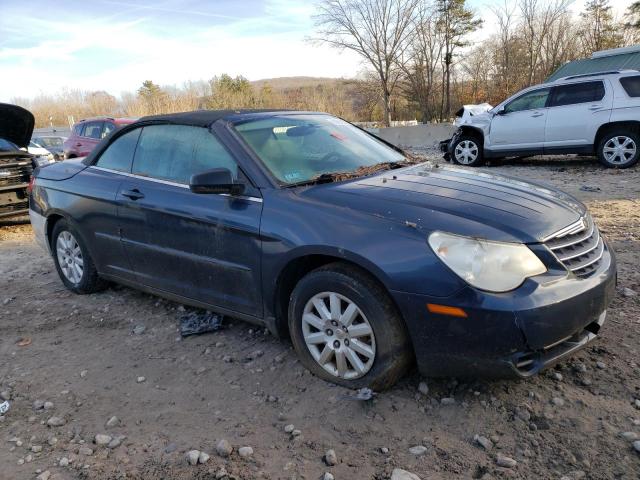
[(204, 118)]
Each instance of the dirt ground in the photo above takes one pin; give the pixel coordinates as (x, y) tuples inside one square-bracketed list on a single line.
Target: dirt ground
[(242, 385)]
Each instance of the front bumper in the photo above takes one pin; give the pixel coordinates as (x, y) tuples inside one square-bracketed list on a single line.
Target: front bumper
[(514, 334)]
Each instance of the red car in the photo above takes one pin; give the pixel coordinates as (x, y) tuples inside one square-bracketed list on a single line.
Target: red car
[(86, 134)]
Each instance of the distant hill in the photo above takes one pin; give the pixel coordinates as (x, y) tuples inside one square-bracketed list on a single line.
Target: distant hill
[(287, 83)]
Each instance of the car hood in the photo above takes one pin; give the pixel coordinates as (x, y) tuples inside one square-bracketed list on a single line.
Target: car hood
[(483, 205), (16, 124)]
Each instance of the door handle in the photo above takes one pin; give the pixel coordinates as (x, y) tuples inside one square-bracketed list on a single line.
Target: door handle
[(78, 144), (595, 107), (538, 114), (134, 194)]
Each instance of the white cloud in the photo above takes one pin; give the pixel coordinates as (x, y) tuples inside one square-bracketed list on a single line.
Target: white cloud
[(129, 52)]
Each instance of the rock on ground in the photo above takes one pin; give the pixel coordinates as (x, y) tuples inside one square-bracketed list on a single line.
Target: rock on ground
[(245, 452), (224, 448), (505, 462), (192, 457), (418, 450), (400, 474)]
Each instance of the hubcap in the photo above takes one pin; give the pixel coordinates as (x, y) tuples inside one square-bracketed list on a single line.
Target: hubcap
[(466, 152), (338, 335), (619, 150), (69, 257)]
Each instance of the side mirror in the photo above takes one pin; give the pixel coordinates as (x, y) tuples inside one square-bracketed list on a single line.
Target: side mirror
[(218, 180), (501, 111)]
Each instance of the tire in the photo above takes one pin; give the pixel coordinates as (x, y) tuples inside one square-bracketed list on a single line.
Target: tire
[(467, 151), (68, 248), (626, 157), (389, 351)]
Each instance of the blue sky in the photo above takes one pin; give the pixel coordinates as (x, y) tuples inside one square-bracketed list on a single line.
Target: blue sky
[(114, 45)]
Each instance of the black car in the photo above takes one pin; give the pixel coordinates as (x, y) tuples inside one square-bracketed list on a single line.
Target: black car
[(16, 165), (317, 229)]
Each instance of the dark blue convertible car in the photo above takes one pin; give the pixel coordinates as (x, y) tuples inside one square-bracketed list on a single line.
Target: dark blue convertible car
[(318, 230)]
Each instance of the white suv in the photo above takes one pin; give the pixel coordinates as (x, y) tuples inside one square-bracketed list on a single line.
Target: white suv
[(584, 114)]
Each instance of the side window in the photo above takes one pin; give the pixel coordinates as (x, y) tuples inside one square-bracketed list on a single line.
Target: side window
[(107, 128), (577, 93), (93, 130), (631, 85), (528, 101), (78, 129), (175, 152), (119, 154)]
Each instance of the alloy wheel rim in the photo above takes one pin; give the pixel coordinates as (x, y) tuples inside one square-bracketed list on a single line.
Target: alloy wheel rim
[(619, 150), (466, 152), (338, 335), (70, 257)]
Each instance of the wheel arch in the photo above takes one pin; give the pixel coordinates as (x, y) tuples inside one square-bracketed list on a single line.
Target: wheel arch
[(50, 224), (300, 265), (474, 132), (633, 125)]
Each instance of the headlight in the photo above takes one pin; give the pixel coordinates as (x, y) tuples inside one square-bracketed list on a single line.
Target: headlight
[(487, 265)]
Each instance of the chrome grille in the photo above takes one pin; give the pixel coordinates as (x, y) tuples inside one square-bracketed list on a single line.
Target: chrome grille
[(578, 247), (15, 173)]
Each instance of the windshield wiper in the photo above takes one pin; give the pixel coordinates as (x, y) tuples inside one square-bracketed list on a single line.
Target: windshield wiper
[(362, 171), (322, 178)]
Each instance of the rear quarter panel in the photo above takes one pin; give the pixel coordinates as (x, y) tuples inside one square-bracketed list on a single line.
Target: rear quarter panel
[(86, 201)]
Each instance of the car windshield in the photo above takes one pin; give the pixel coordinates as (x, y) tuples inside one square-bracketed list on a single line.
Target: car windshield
[(7, 146), (301, 148)]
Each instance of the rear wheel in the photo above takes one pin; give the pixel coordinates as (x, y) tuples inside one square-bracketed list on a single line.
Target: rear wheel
[(346, 329), (619, 149), (73, 262), (467, 151)]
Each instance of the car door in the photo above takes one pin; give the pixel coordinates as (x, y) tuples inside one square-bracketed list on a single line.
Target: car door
[(520, 125), (204, 247), (91, 135), (99, 185), (575, 112)]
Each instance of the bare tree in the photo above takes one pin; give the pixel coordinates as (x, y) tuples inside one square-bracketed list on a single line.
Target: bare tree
[(421, 60), (538, 18), (377, 30), (506, 44)]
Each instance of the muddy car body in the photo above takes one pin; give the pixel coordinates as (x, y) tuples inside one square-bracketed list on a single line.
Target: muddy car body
[(314, 228)]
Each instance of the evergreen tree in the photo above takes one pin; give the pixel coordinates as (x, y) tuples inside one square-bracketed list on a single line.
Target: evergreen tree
[(455, 22), (599, 30)]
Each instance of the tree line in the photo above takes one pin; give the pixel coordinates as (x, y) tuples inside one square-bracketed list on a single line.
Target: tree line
[(420, 62)]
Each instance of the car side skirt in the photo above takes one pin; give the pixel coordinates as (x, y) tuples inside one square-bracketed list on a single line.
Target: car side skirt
[(189, 301), (527, 152)]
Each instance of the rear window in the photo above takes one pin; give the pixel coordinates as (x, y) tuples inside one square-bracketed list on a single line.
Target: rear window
[(631, 85), (119, 155), (175, 152), (93, 130), (577, 93)]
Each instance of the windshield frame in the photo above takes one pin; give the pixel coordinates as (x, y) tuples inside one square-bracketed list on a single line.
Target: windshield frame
[(232, 121)]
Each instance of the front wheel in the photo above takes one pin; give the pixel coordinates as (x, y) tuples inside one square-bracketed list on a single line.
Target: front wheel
[(467, 151), (346, 329), (619, 149)]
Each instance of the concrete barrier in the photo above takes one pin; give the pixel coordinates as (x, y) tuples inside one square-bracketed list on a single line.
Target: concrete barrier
[(422, 136)]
